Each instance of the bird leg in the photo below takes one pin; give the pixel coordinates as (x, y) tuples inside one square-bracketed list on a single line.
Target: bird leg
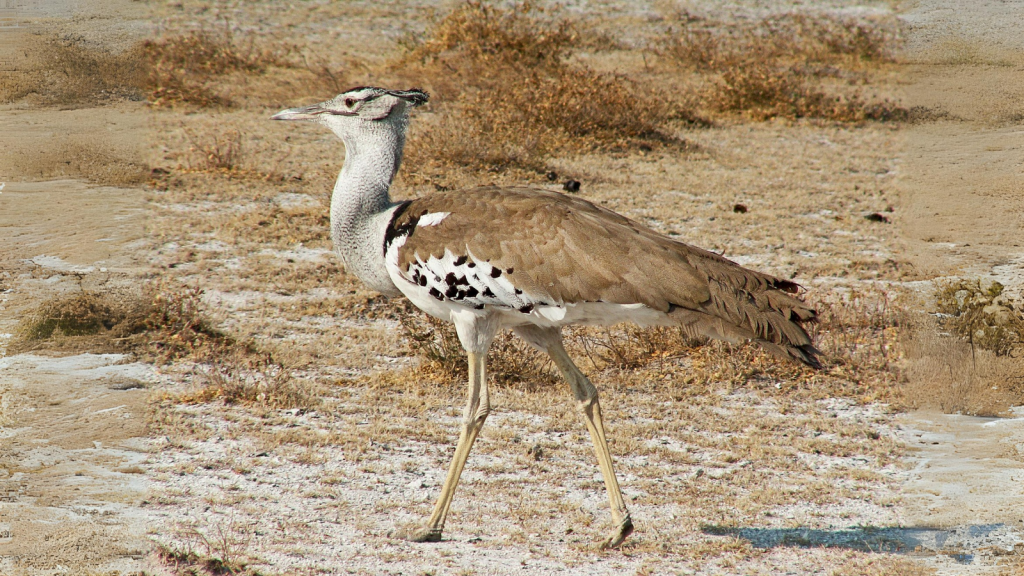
[(585, 393), (478, 406)]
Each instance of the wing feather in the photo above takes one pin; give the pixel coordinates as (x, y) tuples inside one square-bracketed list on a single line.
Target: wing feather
[(560, 249)]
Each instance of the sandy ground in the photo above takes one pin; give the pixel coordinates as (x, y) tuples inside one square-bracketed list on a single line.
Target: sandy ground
[(70, 480), (961, 184), (75, 459)]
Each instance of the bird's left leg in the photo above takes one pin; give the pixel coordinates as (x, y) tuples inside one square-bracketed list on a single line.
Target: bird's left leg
[(550, 340)]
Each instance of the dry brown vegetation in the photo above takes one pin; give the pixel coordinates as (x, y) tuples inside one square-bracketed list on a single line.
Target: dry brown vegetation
[(161, 322), (783, 65), (221, 555), (253, 379), (67, 71), (968, 357), (508, 95), (510, 360), (212, 68), (182, 68), (858, 334), (204, 68), (984, 317)]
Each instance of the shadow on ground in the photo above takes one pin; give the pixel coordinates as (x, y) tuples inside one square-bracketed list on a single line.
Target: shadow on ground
[(960, 543)]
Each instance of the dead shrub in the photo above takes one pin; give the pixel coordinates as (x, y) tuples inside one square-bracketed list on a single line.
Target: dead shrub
[(488, 34), (827, 38), (328, 79), (763, 92), (785, 39), (509, 98), (252, 380), (66, 71), (859, 333), (983, 317), (772, 67), (967, 356), (947, 373), (509, 362), (182, 68), (214, 151), (627, 346), (218, 147), (161, 322), (225, 553), (79, 315), (697, 48)]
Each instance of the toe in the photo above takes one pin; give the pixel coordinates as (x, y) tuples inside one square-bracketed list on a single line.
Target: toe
[(420, 534)]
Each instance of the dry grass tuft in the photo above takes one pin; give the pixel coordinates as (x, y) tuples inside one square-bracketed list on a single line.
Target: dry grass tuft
[(786, 38), (84, 314), (221, 557), (182, 68), (762, 91), (214, 152), (967, 358), (628, 346), (253, 380), (488, 34), (858, 334), (774, 67), (162, 323), (983, 317), (508, 97), (948, 374), (67, 71), (509, 362)]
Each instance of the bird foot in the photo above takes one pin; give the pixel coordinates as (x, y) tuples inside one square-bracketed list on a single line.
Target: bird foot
[(419, 534), (624, 529)]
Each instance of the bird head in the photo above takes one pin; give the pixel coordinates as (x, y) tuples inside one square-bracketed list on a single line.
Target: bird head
[(359, 109)]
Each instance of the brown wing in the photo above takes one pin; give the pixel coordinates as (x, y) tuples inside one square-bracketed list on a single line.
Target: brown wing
[(563, 249)]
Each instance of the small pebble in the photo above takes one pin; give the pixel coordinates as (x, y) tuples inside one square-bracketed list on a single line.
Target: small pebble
[(740, 208), (876, 217), (572, 186)]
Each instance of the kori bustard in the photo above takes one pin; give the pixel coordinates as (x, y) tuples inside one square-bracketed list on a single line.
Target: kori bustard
[(534, 261)]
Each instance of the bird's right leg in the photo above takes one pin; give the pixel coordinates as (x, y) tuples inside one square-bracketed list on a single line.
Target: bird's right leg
[(478, 406), (585, 393)]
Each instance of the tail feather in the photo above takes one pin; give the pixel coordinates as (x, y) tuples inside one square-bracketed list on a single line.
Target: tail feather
[(769, 317)]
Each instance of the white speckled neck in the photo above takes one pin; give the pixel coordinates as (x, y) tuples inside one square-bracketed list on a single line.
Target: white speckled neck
[(361, 208)]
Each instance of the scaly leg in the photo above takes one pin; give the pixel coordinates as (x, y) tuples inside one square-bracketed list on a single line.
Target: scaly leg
[(585, 393), (477, 408)]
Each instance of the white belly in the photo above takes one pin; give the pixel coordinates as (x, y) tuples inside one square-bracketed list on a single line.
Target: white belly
[(587, 313)]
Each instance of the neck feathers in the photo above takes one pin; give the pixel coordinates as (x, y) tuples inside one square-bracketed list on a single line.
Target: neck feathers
[(361, 206)]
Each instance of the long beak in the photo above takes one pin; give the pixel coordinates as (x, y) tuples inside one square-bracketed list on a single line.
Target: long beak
[(301, 113)]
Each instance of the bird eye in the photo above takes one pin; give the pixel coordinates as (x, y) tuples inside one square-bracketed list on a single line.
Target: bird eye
[(350, 102)]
